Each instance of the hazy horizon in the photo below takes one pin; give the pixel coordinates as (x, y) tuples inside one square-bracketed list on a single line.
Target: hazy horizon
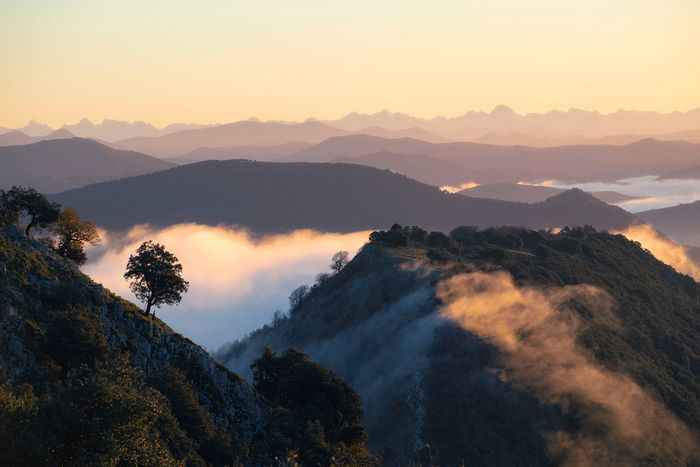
[(221, 61)]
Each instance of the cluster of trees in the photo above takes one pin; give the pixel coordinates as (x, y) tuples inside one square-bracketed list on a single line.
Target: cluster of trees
[(326, 411), (154, 273), (63, 230)]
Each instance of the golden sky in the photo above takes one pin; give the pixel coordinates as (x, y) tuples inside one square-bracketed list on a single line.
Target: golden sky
[(223, 60)]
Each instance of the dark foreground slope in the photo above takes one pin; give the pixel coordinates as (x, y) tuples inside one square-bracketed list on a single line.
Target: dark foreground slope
[(436, 391), (86, 379), (268, 197), (62, 164)]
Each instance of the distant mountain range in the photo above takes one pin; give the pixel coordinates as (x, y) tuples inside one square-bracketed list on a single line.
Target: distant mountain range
[(523, 139), (108, 130), (274, 197), (501, 126), (533, 194), (60, 164), (495, 164), (681, 222), (554, 124)]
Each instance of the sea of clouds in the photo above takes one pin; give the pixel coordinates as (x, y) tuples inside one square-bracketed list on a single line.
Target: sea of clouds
[(237, 281)]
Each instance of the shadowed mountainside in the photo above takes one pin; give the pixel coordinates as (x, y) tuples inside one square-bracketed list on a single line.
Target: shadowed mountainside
[(62, 164), (273, 197), (487, 163), (533, 194)]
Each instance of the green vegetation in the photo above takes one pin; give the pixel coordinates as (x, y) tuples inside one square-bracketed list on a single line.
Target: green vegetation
[(326, 408), (87, 379), (68, 232)]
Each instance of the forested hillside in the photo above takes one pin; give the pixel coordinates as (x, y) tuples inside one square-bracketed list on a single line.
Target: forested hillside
[(493, 389)]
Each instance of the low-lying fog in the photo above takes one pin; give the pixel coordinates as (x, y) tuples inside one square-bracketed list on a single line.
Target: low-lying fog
[(236, 281), (655, 193)]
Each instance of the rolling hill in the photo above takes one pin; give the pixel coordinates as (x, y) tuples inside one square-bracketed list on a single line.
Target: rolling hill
[(245, 133), (13, 138), (257, 153), (681, 222), (422, 168), (271, 197), (689, 173), (533, 193), (487, 162), (62, 164)]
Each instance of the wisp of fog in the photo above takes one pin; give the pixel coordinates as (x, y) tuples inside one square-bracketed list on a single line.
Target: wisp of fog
[(663, 249), (619, 423), (236, 281)]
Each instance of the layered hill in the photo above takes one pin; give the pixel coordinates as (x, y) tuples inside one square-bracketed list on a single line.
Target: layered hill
[(16, 137), (487, 163), (681, 222), (273, 197), (62, 164), (87, 379), (245, 133), (533, 193), (507, 347)]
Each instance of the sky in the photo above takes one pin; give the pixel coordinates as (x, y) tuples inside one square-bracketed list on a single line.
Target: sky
[(212, 61)]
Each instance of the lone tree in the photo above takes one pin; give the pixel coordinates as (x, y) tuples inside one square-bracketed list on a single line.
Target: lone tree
[(19, 202), (155, 276), (339, 261), (71, 234)]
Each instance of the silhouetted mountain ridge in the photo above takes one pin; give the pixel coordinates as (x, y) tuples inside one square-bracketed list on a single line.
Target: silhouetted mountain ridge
[(272, 197)]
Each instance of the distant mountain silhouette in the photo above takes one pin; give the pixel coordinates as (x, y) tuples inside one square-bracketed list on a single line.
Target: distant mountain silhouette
[(533, 194), (422, 168), (257, 153), (271, 197), (415, 133), (246, 133), (60, 164), (567, 163), (690, 173), (681, 222), (553, 124), (114, 130), (13, 138), (523, 139)]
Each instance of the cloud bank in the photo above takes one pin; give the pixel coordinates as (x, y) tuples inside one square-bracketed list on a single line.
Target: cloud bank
[(654, 193), (236, 281), (618, 422), (663, 249)]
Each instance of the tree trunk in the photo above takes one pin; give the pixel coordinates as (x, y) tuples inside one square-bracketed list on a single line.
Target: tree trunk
[(148, 309), (29, 227)]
